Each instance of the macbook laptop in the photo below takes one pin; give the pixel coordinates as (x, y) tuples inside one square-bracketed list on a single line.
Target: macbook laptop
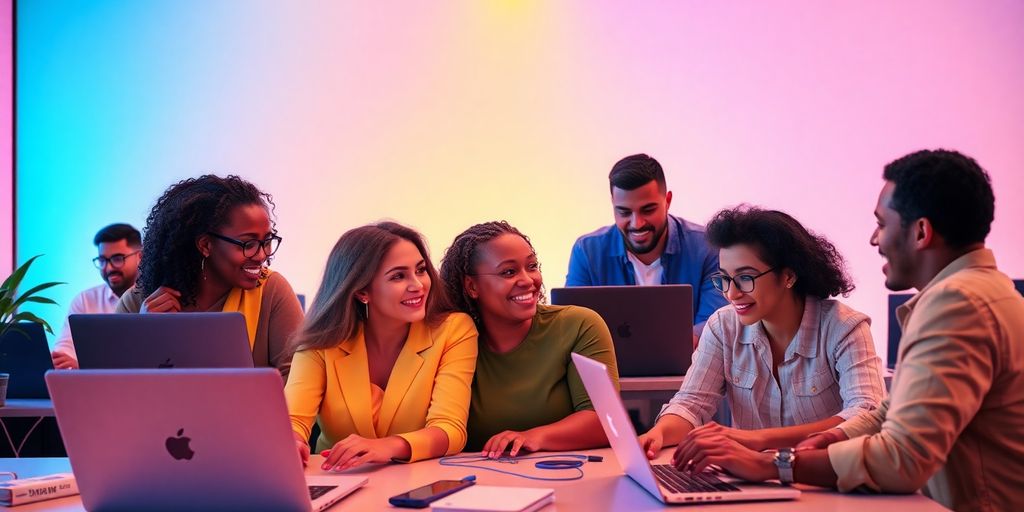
[(166, 340), (664, 482), (652, 326), (25, 355), (194, 439)]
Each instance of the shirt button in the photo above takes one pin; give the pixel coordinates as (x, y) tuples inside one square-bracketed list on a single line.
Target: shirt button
[(736, 380), (814, 389)]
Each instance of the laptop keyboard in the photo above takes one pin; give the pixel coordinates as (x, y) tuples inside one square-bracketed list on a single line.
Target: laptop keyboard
[(315, 491), (680, 482)]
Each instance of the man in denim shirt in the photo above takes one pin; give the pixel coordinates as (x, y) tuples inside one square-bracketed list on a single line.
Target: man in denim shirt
[(646, 246)]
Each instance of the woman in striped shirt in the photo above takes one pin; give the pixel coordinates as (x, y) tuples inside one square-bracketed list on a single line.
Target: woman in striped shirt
[(790, 360)]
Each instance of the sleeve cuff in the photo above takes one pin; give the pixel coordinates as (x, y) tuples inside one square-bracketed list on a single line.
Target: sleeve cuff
[(680, 411), (847, 459)]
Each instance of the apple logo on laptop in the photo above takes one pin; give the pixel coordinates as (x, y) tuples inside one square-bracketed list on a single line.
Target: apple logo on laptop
[(624, 330), (166, 364), (178, 446)]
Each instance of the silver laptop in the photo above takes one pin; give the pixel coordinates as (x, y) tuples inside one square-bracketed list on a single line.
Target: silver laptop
[(652, 326), (664, 482), (165, 340), (213, 439)]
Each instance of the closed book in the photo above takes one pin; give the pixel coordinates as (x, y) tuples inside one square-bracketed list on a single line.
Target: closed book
[(492, 498), (46, 487)]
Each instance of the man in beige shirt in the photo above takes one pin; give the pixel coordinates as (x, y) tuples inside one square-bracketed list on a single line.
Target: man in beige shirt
[(954, 420)]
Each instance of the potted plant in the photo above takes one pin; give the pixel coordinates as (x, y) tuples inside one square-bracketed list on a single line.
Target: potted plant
[(10, 301)]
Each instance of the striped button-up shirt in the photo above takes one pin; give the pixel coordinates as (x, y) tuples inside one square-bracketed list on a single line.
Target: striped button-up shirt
[(830, 369)]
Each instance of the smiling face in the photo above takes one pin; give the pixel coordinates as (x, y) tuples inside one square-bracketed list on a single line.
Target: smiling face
[(507, 281), (769, 290), (121, 278), (641, 215), (225, 262), (894, 242), (400, 285)]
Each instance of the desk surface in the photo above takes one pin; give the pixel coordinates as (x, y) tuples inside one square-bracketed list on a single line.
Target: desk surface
[(604, 487), (26, 407)]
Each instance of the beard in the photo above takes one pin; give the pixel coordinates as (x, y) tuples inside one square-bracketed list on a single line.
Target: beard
[(649, 246)]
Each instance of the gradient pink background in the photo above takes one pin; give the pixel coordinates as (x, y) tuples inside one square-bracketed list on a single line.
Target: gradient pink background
[(444, 114)]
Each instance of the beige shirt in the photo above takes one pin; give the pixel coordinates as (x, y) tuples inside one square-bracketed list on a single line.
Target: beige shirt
[(280, 318), (954, 419), (830, 369)]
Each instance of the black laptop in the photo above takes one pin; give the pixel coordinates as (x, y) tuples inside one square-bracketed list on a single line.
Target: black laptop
[(652, 326), (25, 355), (161, 340)]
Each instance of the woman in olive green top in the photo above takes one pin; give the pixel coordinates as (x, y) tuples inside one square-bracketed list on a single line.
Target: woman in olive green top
[(527, 395)]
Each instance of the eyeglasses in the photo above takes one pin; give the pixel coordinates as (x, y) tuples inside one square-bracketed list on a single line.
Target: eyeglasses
[(512, 272), (744, 283), (116, 260), (251, 248)]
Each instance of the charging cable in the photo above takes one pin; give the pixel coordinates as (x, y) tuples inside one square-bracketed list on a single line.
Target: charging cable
[(561, 461)]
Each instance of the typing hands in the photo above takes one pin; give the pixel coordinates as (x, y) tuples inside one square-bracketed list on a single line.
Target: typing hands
[(356, 450), (652, 442), (513, 441), (696, 453), (747, 438)]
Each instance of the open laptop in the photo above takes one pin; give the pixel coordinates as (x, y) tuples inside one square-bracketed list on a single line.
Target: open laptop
[(166, 340), (25, 355), (652, 326), (193, 439), (664, 482)]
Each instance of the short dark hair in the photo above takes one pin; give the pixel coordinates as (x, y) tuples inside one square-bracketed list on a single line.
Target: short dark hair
[(635, 171), (782, 242), (119, 231), (949, 189), (186, 210)]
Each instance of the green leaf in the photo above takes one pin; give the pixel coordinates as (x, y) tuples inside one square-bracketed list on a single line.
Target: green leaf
[(25, 316), (33, 291), (40, 300), (12, 282)]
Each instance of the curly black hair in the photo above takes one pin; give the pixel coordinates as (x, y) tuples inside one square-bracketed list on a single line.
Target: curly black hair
[(460, 258), (782, 242), (186, 210), (949, 189)]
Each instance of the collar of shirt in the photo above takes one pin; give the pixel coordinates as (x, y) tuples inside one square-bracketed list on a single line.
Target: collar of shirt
[(980, 258), (805, 343)]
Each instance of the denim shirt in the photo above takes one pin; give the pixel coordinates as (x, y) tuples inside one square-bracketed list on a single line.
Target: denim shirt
[(599, 259)]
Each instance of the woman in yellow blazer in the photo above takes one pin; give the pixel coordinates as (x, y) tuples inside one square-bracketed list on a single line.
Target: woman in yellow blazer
[(385, 372)]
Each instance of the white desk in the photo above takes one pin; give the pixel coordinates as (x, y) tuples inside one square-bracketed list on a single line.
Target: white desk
[(603, 487)]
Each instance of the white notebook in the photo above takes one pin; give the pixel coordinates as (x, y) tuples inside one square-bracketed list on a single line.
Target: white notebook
[(492, 498)]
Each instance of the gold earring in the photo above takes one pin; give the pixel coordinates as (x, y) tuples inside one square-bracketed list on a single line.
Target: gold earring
[(202, 267)]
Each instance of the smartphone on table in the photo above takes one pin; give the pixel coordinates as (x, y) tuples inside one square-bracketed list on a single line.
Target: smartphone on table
[(421, 497)]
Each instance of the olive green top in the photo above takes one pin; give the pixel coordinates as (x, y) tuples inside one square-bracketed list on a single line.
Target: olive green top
[(536, 383)]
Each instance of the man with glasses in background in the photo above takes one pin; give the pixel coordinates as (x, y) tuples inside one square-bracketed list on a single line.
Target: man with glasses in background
[(120, 248)]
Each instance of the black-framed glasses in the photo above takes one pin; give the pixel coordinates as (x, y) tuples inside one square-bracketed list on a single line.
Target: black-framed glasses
[(115, 260), (251, 248), (744, 283), (512, 272)]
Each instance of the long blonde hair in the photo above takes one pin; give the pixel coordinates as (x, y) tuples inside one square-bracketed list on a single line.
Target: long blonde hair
[(336, 315)]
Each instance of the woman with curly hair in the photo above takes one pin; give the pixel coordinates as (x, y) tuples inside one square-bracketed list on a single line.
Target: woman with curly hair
[(208, 246), (790, 360), (527, 395)]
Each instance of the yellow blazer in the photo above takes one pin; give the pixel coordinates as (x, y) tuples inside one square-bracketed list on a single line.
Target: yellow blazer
[(429, 386)]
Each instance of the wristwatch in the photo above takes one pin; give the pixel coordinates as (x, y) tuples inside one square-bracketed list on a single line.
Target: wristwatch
[(784, 459)]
